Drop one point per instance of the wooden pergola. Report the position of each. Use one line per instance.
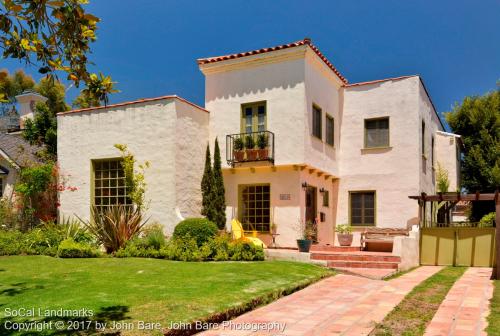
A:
(454, 198)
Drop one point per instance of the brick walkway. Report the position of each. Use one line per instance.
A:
(340, 305)
(466, 306)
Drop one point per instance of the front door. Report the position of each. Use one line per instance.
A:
(310, 204)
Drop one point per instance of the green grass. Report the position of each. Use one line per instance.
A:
(494, 317)
(136, 289)
(411, 316)
(400, 273)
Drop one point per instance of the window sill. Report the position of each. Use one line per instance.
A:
(376, 149)
(316, 137)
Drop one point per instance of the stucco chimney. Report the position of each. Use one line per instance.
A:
(27, 102)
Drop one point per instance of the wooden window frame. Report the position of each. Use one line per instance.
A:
(388, 132)
(260, 227)
(117, 187)
(320, 120)
(326, 198)
(255, 116)
(423, 138)
(363, 224)
(327, 119)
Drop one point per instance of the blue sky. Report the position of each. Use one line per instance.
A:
(150, 47)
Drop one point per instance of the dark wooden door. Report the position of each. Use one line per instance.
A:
(311, 204)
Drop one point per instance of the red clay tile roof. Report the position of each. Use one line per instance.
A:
(144, 100)
(306, 41)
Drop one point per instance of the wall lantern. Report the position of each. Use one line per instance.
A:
(322, 190)
(304, 185)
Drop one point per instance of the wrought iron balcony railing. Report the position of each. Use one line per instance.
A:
(250, 147)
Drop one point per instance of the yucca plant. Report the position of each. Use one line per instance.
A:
(115, 226)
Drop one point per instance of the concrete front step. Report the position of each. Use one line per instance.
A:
(362, 264)
(360, 256)
(328, 248)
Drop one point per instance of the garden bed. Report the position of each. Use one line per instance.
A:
(132, 290)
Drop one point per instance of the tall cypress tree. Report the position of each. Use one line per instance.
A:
(218, 192)
(206, 187)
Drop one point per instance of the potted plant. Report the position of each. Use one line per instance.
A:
(238, 152)
(344, 234)
(304, 244)
(262, 143)
(249, 148)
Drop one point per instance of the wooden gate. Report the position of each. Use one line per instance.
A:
(457, 246)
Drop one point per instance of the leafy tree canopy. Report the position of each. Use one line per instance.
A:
(55, 36)
(477, 120)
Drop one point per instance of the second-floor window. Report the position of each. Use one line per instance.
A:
(423, 137)
(329, 130)
(316, 122)
(377, 133)
(253, 117)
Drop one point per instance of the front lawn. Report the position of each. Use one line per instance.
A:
(135, 289)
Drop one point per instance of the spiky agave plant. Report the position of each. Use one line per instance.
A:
(115, 226)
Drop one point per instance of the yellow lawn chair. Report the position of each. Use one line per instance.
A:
(238, 233)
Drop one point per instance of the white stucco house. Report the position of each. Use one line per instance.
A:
(332, 152)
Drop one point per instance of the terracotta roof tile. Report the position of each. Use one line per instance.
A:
(305, 41)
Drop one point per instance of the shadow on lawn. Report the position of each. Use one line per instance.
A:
(18, 288)
(83, 326)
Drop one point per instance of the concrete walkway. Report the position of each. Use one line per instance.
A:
(466, 306)
(340, 305)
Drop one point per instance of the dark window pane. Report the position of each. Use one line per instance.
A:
(329, 131)
(377, 133)
(362, 208)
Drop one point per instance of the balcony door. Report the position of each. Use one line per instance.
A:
(253, 117)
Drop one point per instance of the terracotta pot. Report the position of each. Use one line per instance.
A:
(263, 153)
(239, 155)
(304, 245)
(345, 239)
(251, 154)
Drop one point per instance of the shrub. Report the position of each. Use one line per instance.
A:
(72, 249)
(11, 242)
(185, 249)
(201, 229)
(114, 227)
(343, 229)
(154, 237)
(487, 220)
(244, 251)
(43, 241)
(9, 219)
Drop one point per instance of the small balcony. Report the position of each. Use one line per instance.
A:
(250, 147)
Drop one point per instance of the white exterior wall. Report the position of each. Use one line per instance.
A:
(432, 125)
(447, 155)
(391, 172)
(256, 79)
(322, 89)
(161, 132)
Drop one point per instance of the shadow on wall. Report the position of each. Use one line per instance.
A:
(255, 80)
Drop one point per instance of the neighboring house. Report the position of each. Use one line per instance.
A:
(333, 153)
(15, 152)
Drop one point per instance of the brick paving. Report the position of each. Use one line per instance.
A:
(340, 305)
(466, 306)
